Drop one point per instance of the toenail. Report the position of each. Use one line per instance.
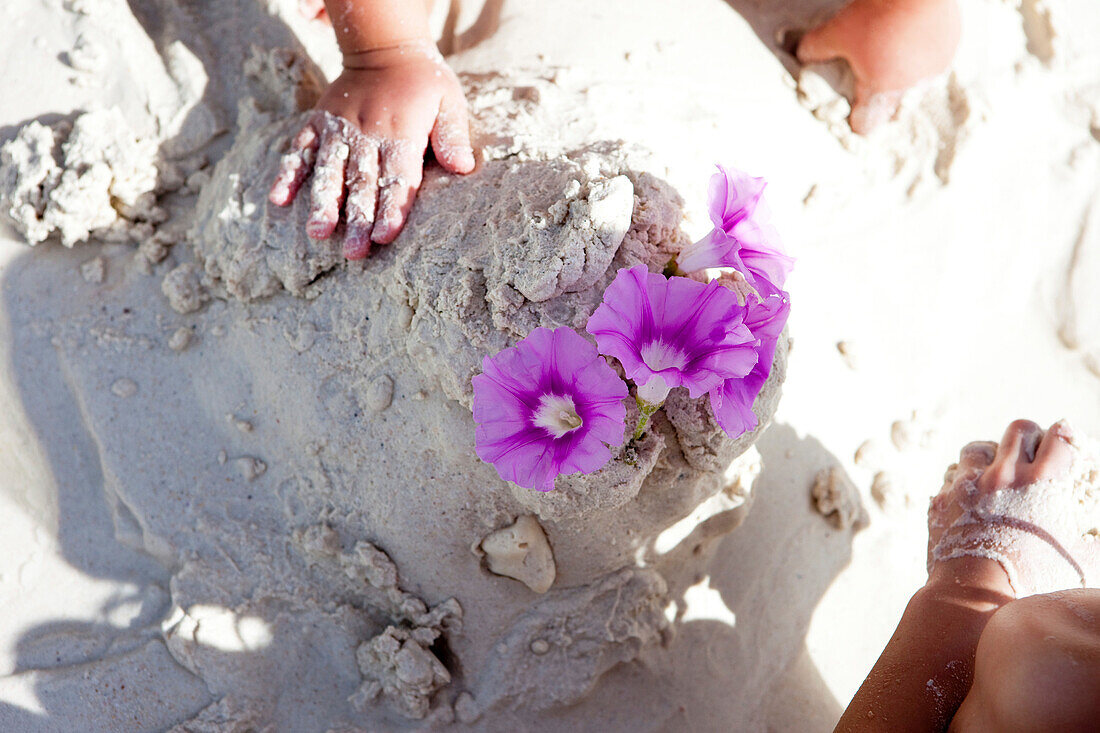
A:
(1062, 429)
(979, 448)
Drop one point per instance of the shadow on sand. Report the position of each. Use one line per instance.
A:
(771, 572)
(772, 601)
(779, 25)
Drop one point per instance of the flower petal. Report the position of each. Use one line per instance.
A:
(514, 387)
(716, 249)
(762, 254)
(733, 196)
(732, 400)
(584, 456)
(731, 404)
(743, 236)
(688, 333)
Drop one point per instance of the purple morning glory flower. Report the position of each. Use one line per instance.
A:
(672, 332)
(767, 310)
(547, 406)
(743, 236)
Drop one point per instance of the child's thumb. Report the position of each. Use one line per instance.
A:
(450, 137)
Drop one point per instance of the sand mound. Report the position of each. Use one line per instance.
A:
(333, 533)
(297, 527)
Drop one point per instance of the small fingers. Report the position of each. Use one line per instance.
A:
(402, 166)
(327, 188)
(362, 179)
(450, 137)
(294, 166)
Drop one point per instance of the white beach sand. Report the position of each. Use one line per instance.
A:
(944, 286)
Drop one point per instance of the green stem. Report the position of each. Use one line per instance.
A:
(647, 412)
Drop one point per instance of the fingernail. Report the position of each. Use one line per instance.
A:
(466, 159)
(357, 242)
(380, 235)
(385, 231)
(319, 228)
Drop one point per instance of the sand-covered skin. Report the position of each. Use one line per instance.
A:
(1045, 535)
(772, 601)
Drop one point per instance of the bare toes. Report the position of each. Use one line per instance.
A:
(819, 45)
(975, 457)
(949, 476)
(872, 109)
(1015, 452)
(1054, 454)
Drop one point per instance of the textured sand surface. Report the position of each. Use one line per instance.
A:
(223, 488)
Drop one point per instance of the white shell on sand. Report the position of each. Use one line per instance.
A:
(521, 551)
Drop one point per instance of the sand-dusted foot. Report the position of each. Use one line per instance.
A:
(1030, 504)
(889, 45)
(1015, 525)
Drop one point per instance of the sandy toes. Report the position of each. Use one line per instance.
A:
(1031, 503)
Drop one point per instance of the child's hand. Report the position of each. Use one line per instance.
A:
(392, 101)
(890, 45)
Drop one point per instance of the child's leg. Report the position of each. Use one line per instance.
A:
(1038, 667)
(925, 672)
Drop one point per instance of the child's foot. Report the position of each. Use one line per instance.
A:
(1028, 505)
(889, 45)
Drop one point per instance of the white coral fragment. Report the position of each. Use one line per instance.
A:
(521, 551)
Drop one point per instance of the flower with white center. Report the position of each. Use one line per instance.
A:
(557, 415)
(549, 405)
(672, 332)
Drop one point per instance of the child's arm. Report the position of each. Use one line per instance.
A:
(396, 94)
(890, 45)
(925, 671)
